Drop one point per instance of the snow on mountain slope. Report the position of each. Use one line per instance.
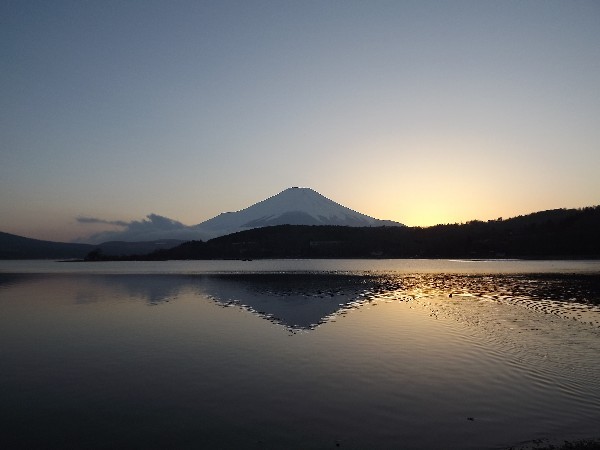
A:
(295, 206)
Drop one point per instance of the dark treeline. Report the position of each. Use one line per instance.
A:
(563, 233)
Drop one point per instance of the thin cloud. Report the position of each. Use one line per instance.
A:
(87, 220)
(152, 227)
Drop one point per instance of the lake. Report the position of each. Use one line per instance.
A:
(299, 354)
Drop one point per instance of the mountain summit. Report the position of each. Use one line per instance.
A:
(293, 206)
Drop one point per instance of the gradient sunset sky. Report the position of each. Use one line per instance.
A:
(420, 112)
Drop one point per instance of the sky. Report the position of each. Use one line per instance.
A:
(422, 112)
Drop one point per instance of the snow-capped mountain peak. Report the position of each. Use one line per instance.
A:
(295, 206)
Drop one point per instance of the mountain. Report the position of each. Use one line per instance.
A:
(13, 246)
(293, 206)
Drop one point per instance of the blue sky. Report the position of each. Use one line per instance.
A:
(420, 112)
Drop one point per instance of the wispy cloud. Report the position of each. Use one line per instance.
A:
(152, 227)
(86, 220)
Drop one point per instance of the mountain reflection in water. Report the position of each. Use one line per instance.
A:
(306, 300)
(200, 360)
(297, 301)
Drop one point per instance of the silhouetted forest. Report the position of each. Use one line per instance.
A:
(562, 233)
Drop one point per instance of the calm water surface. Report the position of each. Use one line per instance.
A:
(298, 354)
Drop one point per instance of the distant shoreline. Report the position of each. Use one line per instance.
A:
(142, 259)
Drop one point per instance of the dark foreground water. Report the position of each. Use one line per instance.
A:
(360, 354)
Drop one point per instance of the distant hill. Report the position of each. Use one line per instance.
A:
(19, 247)
(562, 233)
